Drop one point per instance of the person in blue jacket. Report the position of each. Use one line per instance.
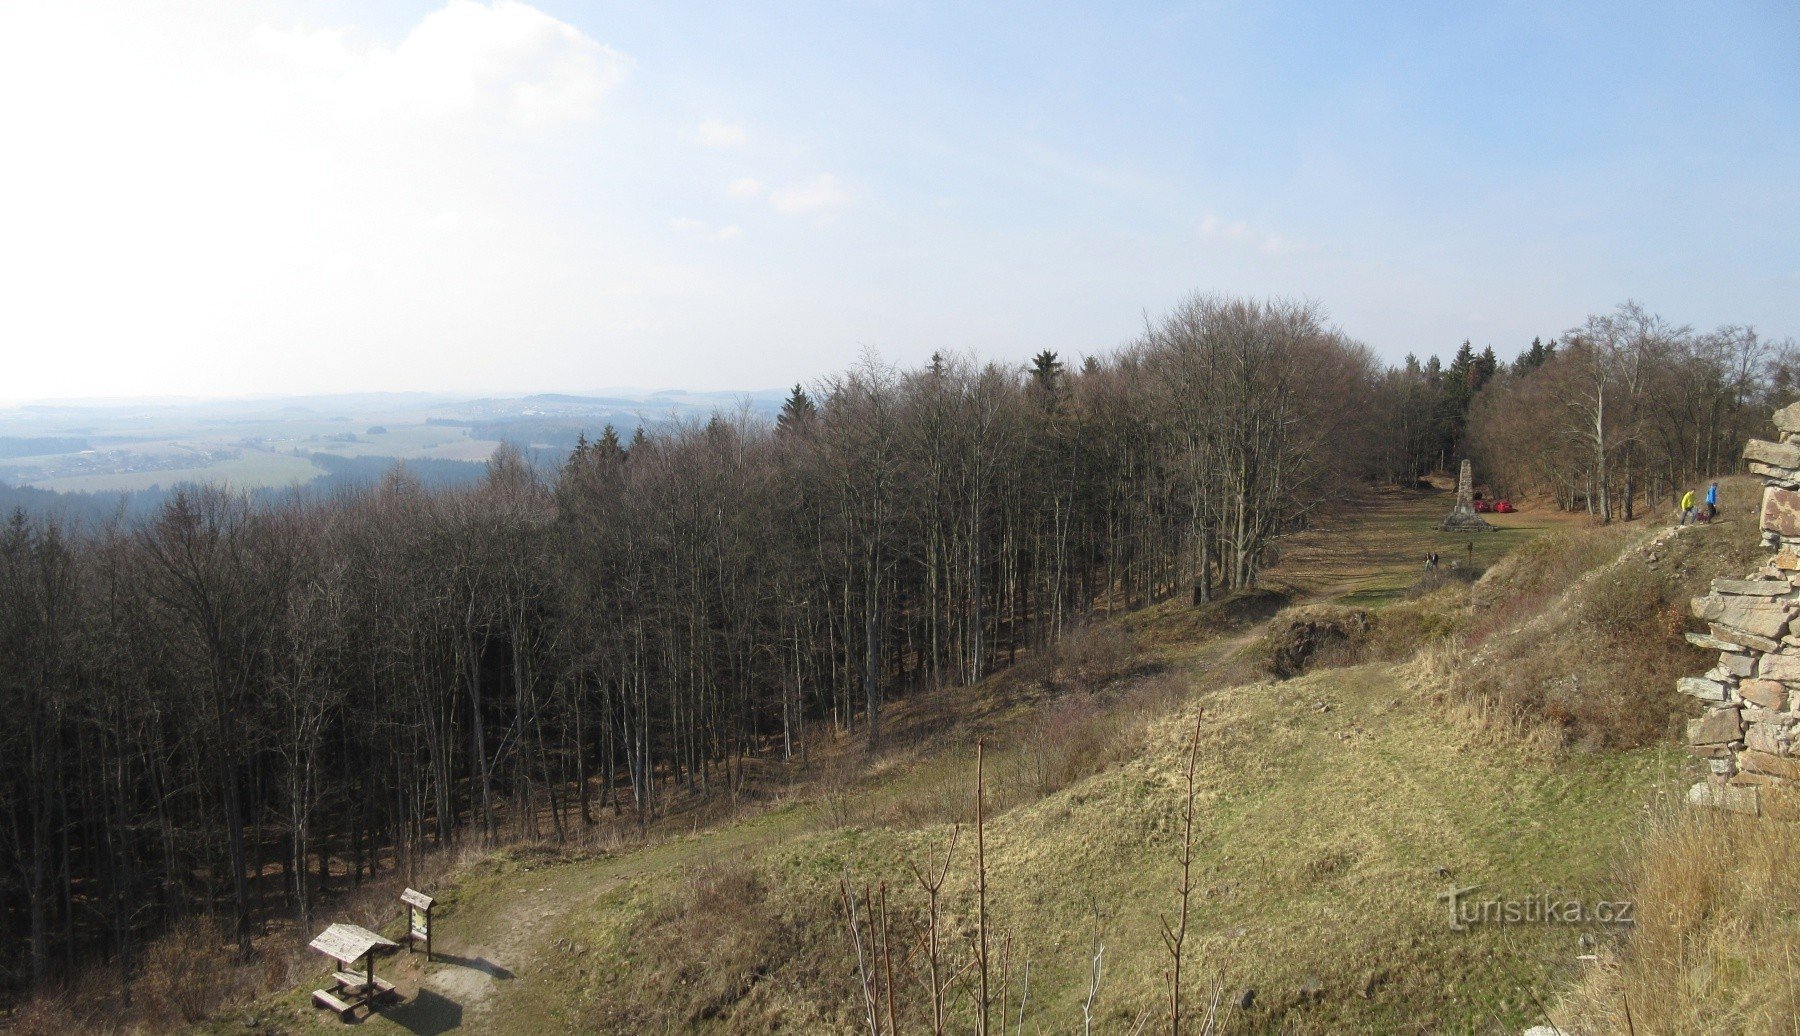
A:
(1712, 501)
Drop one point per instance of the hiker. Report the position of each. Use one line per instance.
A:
(1712, 501)
(1687, 507)
(1431, 561)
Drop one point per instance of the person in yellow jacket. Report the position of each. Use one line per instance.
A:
(1687, 507)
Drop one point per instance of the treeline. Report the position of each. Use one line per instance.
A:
(237, 706)
(1627, 411)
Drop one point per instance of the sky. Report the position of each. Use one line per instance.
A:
(252, 197)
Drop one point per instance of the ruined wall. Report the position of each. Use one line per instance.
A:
(1750, 734)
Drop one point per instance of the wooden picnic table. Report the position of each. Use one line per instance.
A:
(349, 945)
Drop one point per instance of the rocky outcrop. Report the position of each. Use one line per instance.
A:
(1749, 735)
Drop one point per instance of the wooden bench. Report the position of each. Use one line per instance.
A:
(325, 998)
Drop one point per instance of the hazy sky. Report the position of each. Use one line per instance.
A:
(268, 197)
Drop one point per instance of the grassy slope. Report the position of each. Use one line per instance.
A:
(1334, 809)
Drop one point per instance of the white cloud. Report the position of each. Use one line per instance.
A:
(1215, 228)
(744, 188)
(823, 194)
(503, 59)
(690, 225)
(274, 201)
(714, 133)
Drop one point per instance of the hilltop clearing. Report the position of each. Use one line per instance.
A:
(1433, 750)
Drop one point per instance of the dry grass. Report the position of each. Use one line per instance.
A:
(1330, 808)
(1717, 926)
(1583, 631)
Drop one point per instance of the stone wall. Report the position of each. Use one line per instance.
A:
(1750, 733)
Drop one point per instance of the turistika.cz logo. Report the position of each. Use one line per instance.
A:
(1467, 911)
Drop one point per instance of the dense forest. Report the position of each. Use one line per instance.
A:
(233, 706)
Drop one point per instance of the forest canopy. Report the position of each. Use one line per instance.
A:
(234, 704)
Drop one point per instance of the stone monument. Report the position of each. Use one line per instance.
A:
(1463, 517)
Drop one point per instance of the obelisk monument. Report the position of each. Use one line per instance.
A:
(1463, 517)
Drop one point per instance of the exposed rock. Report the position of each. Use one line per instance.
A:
(1717, 727)
(1246, 996)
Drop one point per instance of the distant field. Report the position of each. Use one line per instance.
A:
(401, 442)
(252, 470)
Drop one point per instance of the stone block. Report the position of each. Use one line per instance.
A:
(1787, 419)
(1787, 561)
(1770, 694)
(1752, 587)
(1739, 665)
(1761, 737)
(1720, 795)
(1715, 751)
(1781, 478)
(1747, 639)
(1711, 643)
(1769, 763)
(1717, 727)
(1705, 690)
(1782, 666)
(1781, 512)
(1773, 454)
(1754, 615)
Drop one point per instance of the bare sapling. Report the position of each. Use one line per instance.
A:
(981, 1028)
(932, 882)
(1024, 997)
(887, 959)
(1175, 935)
(862, 967)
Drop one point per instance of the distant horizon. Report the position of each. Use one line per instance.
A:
(419, 394)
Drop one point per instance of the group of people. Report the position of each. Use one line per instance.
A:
(1692, 511)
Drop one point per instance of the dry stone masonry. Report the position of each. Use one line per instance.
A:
(1750, 734)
